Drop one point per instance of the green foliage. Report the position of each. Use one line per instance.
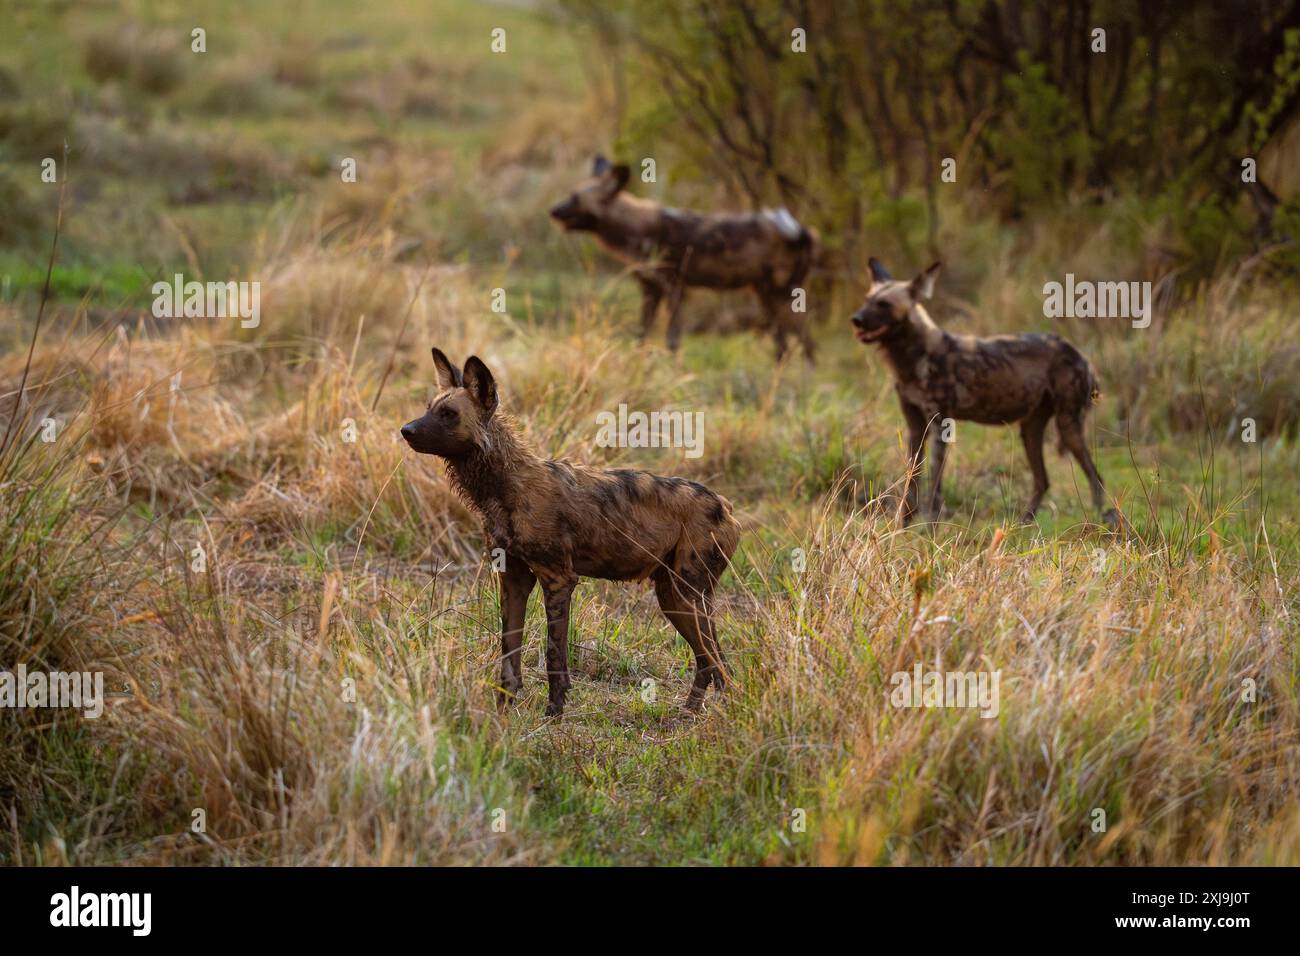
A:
(1041, 137)
(1262, 117)
(149, 61)
(22, 220)
(29, 132)
(1014, 91)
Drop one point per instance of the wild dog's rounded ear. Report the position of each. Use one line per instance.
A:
(480, 384)
(599, 165)
(449, 376)
(617, 179)
(878, 271)
(922, 287)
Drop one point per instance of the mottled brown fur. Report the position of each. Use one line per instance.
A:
(556, 521)
(670, 250)
(1005, 379)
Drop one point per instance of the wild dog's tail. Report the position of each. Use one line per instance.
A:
(1094, 389)
(705, 549)
(1080, 389)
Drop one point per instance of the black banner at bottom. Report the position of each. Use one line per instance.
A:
(334, 906)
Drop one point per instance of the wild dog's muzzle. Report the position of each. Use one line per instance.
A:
(564, 212)
(865, 335)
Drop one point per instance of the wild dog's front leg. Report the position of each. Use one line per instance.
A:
(517, 582)
(938, 456)
(557, 587)
(675, 292)
(915, 459)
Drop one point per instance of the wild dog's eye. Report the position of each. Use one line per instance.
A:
(448, 413)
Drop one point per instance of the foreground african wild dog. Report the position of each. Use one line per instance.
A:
(669, 250)
(556, 521)
(994, 381)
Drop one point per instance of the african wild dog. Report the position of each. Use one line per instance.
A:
(556, 521)
(669, 250)
(994, 381)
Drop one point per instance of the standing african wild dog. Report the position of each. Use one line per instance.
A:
(994, 381)
(669, 250)
(556, 521)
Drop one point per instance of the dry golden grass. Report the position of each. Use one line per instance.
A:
(300, 631)
(329, 562)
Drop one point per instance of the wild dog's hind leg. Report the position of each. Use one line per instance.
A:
(557, 587)
(709, 631)
(805, 335)
(675, 293)
(1071, 428)
(652, 292)
(517, 582)
(770, 302)
(698, 590)
(692, 622)
(710, 567)
(1031, 433)
(785, 322)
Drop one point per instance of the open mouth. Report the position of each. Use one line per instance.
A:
(865, 336)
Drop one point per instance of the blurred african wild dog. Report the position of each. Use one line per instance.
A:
(556, 521)
(1026, 379)
(669, 250)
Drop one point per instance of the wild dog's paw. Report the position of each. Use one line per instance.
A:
(507, 694)
(1111, 518)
